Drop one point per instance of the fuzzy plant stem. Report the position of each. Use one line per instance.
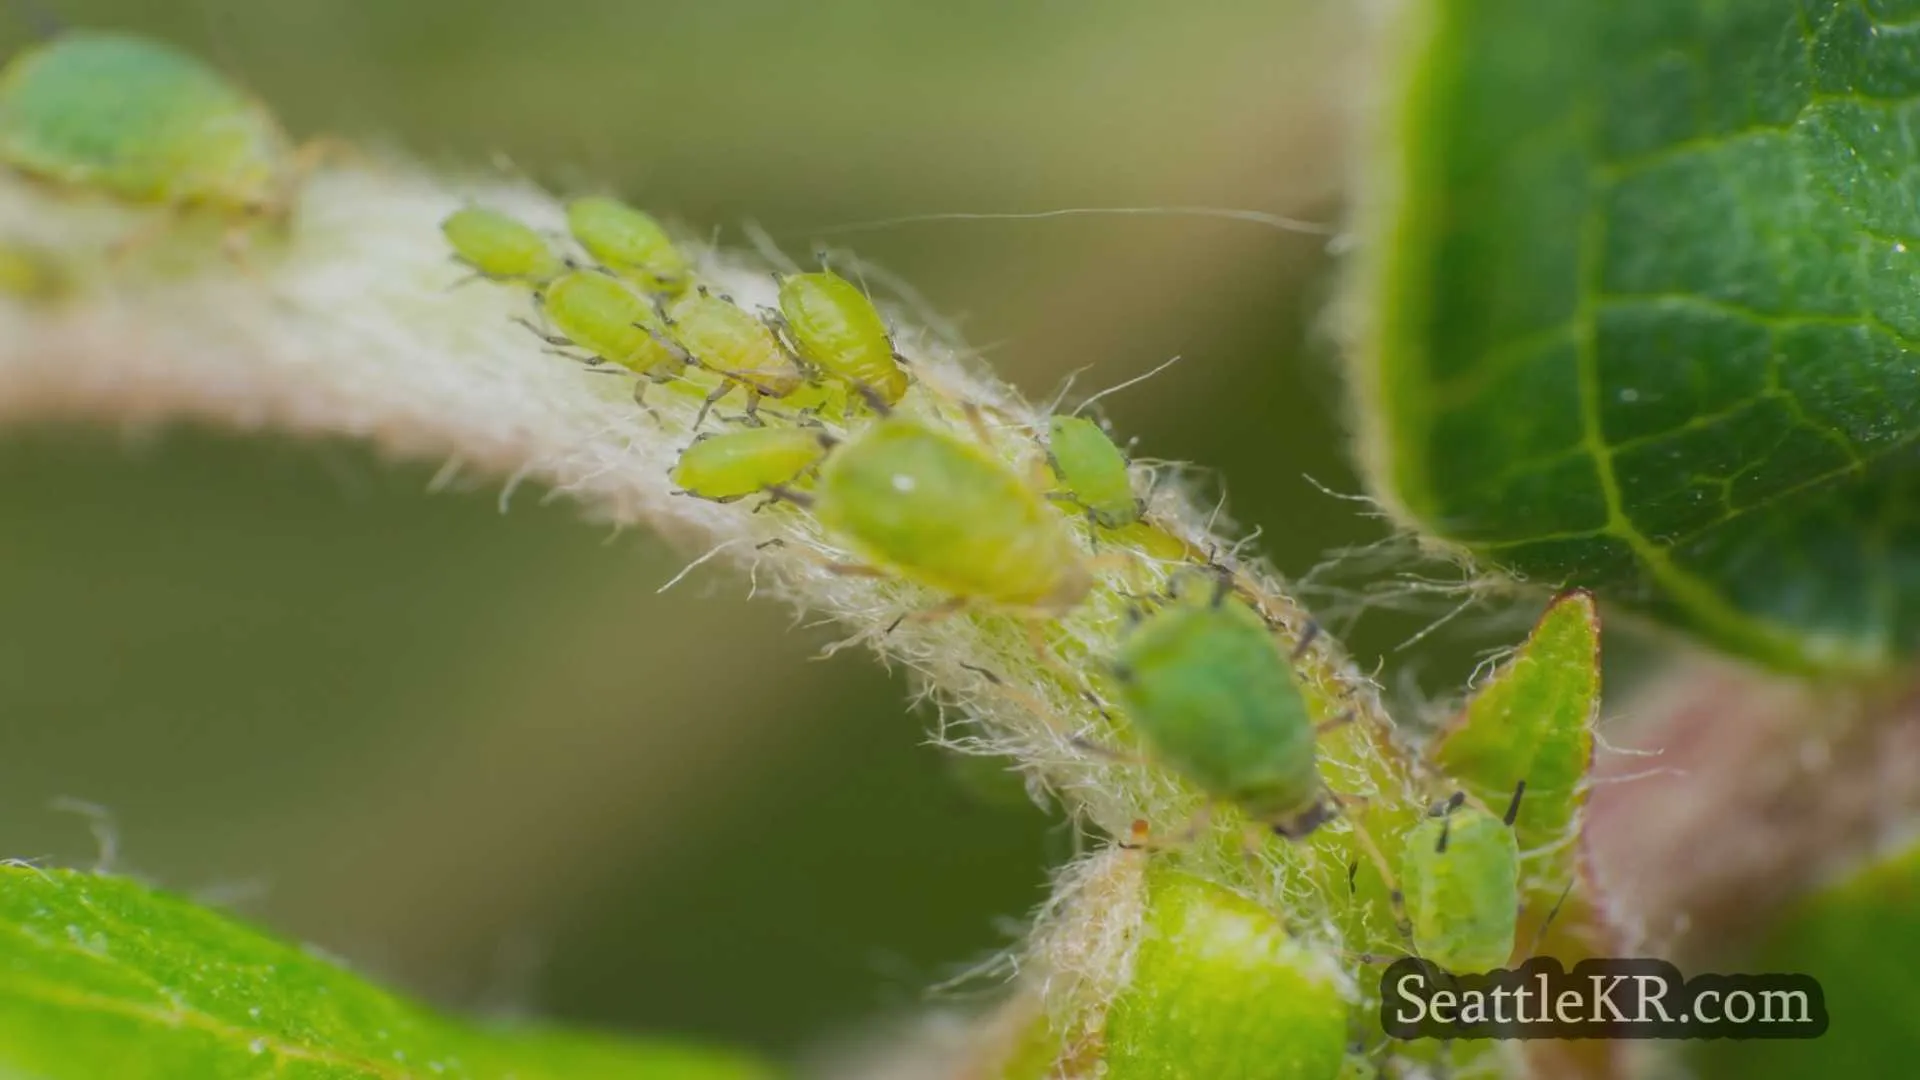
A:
(355, 323)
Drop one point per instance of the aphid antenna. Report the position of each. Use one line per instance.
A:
(1135, 381)
(1255, 217)
(1513, 808)
(763, 243)
(1066, 387)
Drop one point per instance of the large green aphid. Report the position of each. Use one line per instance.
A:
(1093, 470)
(628, 242)
(740, 463)
(735, 345)
(1460, 877)
(943, 512)
(837, 329)
(499, 247)
(1213, 698)
(145, 122)
(610, 322)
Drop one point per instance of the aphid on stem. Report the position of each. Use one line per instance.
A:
(148, 124)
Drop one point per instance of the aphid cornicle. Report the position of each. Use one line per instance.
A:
(837, 329)
(1093, 470)
(736, 464)
(1214, 698)
(1460, 879)
(731, 343)
(499, 247)
(942, 512)
(145, 122)
(628, 242)
(604, 317)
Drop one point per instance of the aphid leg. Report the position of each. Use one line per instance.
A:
(705, 406)
(752, 416)
(783, 493)
(1108, 753)
(1307, 637)
(945, 609)
(978, 423)
(1335, 724)
(1364, 838)
(640, 399)
(874, 401)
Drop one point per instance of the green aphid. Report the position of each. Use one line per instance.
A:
(731, 343)
(144, 122)
(1093, 470)
(837, 329)
(1214, 698)
(499, 247)
(612, 324)
(31, 273)
(944, 513)
(1460, 878)
(740, 463)
(629, 243)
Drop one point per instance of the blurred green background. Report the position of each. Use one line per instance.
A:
(476, 753)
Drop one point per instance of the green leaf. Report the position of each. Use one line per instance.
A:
(1858, 938)
(103, 977)
(1533, 721)
(1638, 309)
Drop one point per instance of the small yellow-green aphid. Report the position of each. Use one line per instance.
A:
(837, 329)
(31, 273)
(629, 243)
(729, 342)
(601, 315)
(942, 512)
(1093, 470)
(741, 463)
(499, 247)
(1460, 876)
(145, 122)
(1215, 699)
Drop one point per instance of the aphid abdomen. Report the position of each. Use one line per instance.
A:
(1462, 897)
(605, 317)
(500, 247)
(628, 242)
(142, 121)
(1093, 470)
(837, 329)
(940, 511)
(1213, 697)
(739, 463)
(728, 341)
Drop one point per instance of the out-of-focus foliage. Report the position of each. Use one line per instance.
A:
(1644, 315)
(101, 976)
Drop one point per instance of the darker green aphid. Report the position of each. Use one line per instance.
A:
(145, 122)
(1460, 876)
(1214, 699)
